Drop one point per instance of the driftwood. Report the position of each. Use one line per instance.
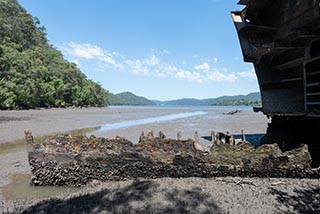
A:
(277, 183)
(237, 183)
(232, 112)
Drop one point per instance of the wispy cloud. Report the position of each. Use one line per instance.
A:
(78, 52)
(217, 76)
(248, 74)
(202, 67)
(152, 65)
(153, 60)
(189, 75)
(138, 67)
(87, 51)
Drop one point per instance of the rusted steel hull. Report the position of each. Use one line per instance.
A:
(282, 40)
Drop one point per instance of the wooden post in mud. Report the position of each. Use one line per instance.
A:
(28, 136)
(227, 138)
(141, 136)
(150, 134)
(196, 137)
(232, 141)
(213, 137)
(179, 136)
(162, 135)
(243, 136)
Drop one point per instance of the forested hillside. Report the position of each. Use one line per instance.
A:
(127, 98)
(33, 73)
(252, 99)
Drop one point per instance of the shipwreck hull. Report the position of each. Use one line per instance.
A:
(282, 40)
(66, 160)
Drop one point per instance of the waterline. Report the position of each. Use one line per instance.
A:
(130, 123)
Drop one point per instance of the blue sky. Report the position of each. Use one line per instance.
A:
(160, 49)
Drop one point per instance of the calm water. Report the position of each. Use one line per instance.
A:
(150, 120)
(185, 107)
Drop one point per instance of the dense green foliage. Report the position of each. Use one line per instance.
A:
(127, 98)
(252, 99)
(238, 102)
(33, 73)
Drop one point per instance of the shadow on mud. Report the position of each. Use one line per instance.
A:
(138, 197)
(306, 201)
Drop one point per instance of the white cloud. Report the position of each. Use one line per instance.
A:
(248, 74)
(78, 52)
(171, 68)
(87, 51)
(108, 60)
(217, 76)
(203, 67)
(152, 60)
(153, 65)
(137, 66)
(160, 52)
(188, 75)
(160, 74)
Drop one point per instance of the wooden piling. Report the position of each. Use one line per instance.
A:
(243, 136)
(196, 137)
(179, 136)
(213, 137)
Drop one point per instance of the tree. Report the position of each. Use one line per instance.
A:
(33, 73)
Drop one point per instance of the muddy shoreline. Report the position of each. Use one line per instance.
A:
(187, 195)
(53, 121)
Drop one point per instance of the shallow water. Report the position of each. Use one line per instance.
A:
(20, 188)
(150, 120)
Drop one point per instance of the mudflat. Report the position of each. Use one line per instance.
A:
(51, 121)
(165, 195)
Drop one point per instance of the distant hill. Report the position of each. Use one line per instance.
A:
(250, 99)
(128, 98)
